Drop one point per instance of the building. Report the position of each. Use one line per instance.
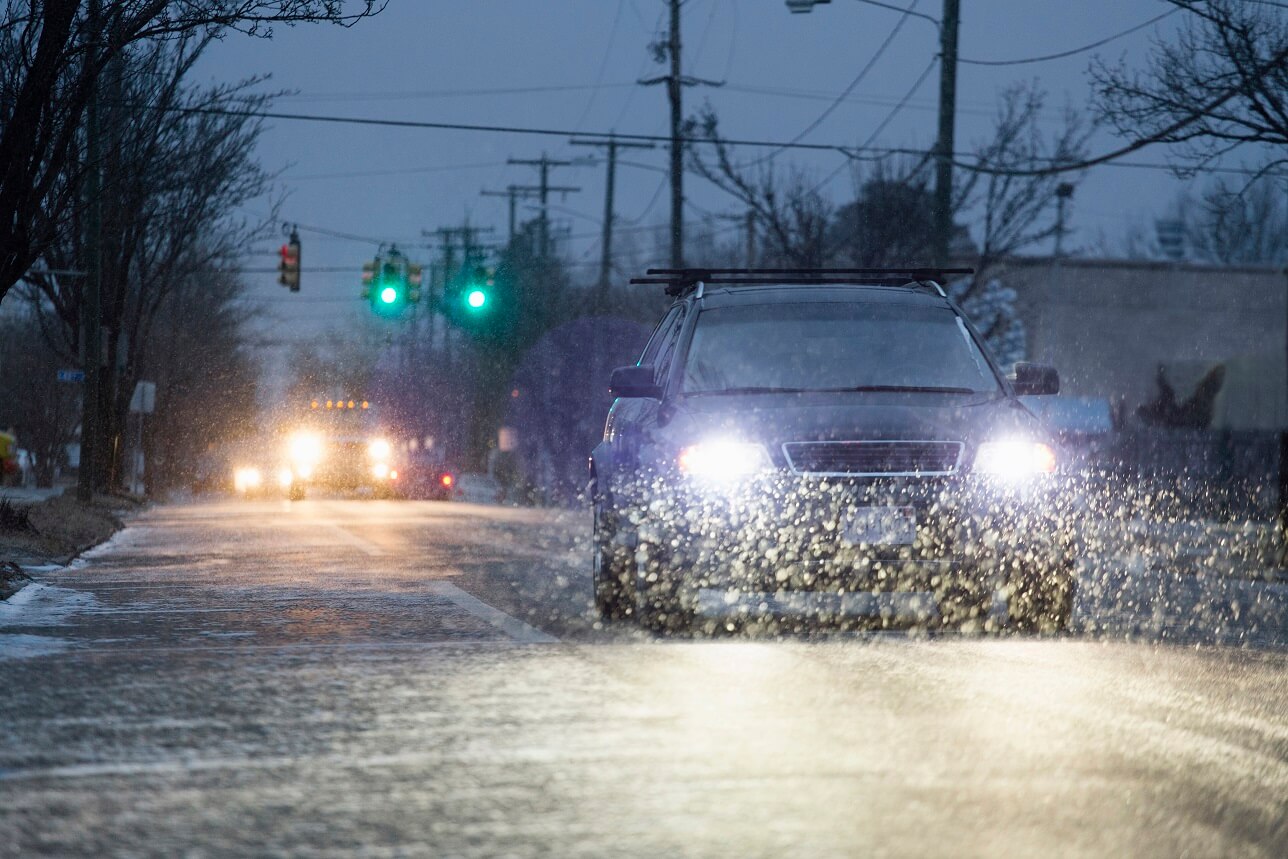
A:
(1109, 326)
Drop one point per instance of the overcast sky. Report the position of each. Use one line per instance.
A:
(572, 64)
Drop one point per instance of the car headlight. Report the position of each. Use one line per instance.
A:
(380, 449)
(246, 479)
(305, 449)
(1014, 458)
(722, 459)
(285, 477)
(380, 470)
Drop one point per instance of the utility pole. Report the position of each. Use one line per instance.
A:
(612, 144)
(544, 188)
(947, 115)
(92, 291)
(514, 193)
(751, 238)
(1063, 192)
(675, 83)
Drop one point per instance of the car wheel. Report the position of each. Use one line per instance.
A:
(659, 602)
(1041, 600)
(613, 570)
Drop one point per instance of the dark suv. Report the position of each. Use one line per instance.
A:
(832, 444)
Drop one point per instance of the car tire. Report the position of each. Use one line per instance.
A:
(612, 569)
(1041, 600)
(659, 603)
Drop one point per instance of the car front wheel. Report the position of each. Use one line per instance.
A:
(613, 570)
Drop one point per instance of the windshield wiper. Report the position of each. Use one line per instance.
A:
(915, 389)
(748, 389)
(753, 389)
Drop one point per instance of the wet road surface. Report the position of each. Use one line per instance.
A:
(368, 678)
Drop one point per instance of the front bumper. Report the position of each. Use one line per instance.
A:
(787, 534)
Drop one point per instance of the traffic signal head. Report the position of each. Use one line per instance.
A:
(388, 295)
(476, 298)
(288, 267)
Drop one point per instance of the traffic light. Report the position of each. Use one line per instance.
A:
(288, 269)
(477, 293)
(391, 283)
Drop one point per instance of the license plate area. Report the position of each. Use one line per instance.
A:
(881, 526)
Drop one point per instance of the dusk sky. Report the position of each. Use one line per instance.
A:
(572, 64)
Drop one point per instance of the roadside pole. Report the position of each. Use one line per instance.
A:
(91, 291)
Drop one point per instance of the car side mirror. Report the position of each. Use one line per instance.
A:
(1035, 380)
(635, 381)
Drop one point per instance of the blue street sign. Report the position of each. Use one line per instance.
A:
(71, 375)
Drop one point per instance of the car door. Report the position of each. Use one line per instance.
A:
(629, 415)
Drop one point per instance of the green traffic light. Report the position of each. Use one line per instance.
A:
(388, 295)
(476, 298)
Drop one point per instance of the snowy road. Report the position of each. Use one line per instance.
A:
(341, 678)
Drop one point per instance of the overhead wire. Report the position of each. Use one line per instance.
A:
(1072, 51)
(831, 108)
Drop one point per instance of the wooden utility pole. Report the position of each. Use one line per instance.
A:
(612, 144)
(514, 193)
(944, 145)
(544, 189)
(675, 83)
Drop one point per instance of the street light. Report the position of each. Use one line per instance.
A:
(943, 152)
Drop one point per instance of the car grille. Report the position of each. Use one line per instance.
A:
(874, 458)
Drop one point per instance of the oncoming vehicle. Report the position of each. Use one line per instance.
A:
(828, 443)
(341, 446)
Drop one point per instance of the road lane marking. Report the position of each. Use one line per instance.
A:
(352, 539)
(511, 626)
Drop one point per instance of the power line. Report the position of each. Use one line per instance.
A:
(1072, 51)
(863, 72)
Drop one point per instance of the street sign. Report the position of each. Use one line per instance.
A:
(145, 398)
(71, 375)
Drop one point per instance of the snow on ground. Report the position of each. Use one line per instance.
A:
(38, 605)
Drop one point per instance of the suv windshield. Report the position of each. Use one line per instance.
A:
(834, 346)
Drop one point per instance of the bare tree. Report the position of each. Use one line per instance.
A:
(52, 56)
(1015, 209)
(1221, 85)
(794, 218)
(177, 175)
(1246, 225)
(44, 411)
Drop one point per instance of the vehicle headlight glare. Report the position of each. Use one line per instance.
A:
(380, 449)
(380, 470)
(285, 477)
(305, 449)
(1012, 459)
(722, 460)
(246, 479)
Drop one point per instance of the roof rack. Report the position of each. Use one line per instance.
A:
(680, 280)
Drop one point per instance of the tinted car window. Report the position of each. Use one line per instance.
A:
(661, 335)
(833, 345)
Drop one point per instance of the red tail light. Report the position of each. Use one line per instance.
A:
(447, 480)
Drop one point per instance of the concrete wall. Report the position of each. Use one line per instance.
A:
(1107, 325)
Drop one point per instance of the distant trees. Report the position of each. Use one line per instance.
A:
(1002, 208)
(1220, 87)
(175, 179)
(43, 411)
(52, 56)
